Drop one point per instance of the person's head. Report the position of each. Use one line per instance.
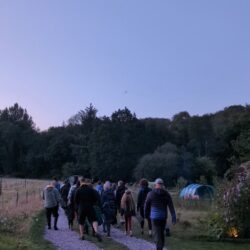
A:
(120, 183)
(85, 181)
(82, 180)
(99, 182)
(143, 183)
(66, 181)
(159, 183)
(107, 185)
(55, 179)
(53, 183)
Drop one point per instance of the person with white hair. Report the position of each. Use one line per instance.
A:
(108, 203)
(52, 198)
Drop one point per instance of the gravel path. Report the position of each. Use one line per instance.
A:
(132, 243)
(65, 239)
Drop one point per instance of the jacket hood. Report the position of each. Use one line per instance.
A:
(49, 187)
(160, 192)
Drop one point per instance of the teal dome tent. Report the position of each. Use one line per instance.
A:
(196, 192)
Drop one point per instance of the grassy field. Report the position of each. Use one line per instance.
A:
(190, 232)
(21, 223)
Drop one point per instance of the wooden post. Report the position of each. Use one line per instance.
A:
(17, 198)
(1, 185)
(27, 195)
(2, 202)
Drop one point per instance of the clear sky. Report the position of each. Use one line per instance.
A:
(156, 57)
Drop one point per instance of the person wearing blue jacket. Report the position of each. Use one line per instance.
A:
(156, 208)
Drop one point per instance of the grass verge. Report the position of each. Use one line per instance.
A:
(190, 238)
(31, 240)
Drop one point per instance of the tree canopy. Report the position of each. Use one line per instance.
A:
(123, 146)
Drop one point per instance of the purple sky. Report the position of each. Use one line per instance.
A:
(155, 57)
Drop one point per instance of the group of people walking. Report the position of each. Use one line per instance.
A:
(95, 205)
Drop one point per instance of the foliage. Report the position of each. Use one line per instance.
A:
(120, 145)
(233, 204)
(181, 183)
(7, 224)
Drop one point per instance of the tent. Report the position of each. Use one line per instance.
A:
(197, 191)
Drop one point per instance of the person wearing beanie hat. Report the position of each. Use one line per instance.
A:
(156, 208)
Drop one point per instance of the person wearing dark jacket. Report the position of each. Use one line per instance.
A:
(85, 198)
(108, 206)
(64, 191)
(118, 196)
(142, 195)
(156, 208)
(119, 193)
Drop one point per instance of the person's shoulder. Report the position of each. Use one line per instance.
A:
(150, 193)
(166, 191)
(55, 190)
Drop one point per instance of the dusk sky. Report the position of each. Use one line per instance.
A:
(156, 57)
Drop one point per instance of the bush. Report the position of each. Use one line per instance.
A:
(233, 205)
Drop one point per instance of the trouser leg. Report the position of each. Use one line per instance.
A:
(149, 224)
(48, 216)
(126, 223)
(130, 223)
(159, 227)
(55, 214)
(142, 224)
(108, 228)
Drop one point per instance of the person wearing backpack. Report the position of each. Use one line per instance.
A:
(108, 204)
(128, 210)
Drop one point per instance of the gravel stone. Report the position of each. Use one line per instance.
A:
(64, 238)
(131, 243)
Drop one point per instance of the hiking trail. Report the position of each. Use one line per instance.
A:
(65, 239)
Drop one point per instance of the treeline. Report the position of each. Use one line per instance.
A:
(125, 147)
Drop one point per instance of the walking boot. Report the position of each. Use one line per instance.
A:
(49, 223)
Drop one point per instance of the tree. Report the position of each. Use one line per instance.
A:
(241, 146)
(204, 166)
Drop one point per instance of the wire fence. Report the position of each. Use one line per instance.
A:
(20, 195)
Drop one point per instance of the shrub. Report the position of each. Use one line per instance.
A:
(7, 224)
(233, 205)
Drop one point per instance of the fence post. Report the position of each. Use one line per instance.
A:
(17, 198)
(27, 195)
(1, 185)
